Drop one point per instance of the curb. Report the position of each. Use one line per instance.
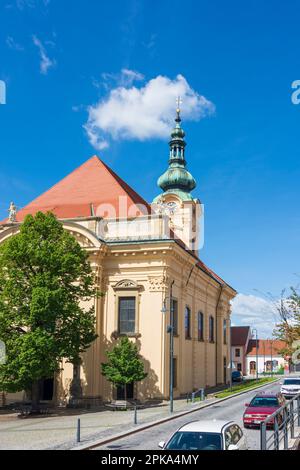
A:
(152, 424)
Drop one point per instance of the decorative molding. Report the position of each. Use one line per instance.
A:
(127, 284)
(158, 283)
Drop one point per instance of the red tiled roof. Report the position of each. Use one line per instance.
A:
(85, 189)
(239, 335)
(89, 190)
(265, 347)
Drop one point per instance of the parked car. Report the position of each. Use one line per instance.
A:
(237, 376)
(290, 387)
(207, 435)
(262, 406)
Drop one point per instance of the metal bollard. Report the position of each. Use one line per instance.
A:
(202, 396)
(135, 415)
(78, 430)
(193, 397)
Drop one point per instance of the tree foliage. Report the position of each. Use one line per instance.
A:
(288, 328)
(124, 365)
(44, 275)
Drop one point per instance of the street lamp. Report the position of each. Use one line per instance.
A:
(170, 330)
(256, 368)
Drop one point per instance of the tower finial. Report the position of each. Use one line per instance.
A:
(177, 179)
(178, 110)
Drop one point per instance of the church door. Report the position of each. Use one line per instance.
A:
(129, 392)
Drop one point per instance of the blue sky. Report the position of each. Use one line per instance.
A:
(58, 60)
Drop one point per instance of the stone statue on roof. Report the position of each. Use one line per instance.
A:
(12, 212)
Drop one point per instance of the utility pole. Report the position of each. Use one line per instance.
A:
(256, 342)
(271, 357)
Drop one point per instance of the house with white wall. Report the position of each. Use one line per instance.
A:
(268, 356)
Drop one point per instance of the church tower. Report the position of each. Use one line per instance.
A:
(177, 184)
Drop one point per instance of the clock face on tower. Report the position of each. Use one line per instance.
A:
(168, 208)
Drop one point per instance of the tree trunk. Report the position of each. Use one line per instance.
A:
(35, 396)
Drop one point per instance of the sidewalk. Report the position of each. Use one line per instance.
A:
(59, 432)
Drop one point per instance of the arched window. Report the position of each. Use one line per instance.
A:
(252, 367)
(187, 323)
(200, 326)
(211, 329)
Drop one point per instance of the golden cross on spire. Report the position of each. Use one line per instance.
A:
(178, 102)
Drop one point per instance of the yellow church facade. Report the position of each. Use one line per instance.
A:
(145, 261)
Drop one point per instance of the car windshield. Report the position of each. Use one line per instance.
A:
(195, 441)
(292, 382)
(264, 401)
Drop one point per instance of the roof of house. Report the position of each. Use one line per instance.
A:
(91, 189)
(239, 335)
(266, 347)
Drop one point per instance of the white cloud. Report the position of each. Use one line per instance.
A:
(145, 112)
(46, 63)
(21, 4)
(12, 44)
(256, 312)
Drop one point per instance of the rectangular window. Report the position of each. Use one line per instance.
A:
(127, 315)
(211, 329)
(187, 323)
(224, 331)
(237, 352)
(175, 316)
(200, 326)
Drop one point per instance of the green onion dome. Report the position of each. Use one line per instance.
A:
(177, 179)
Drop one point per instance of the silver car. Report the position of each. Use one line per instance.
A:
(214, 434)
(290, 387)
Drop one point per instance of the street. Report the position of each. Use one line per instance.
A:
(232, 409)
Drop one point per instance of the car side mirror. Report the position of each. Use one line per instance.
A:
(280, 383)
(161, 444)
(233, 447)
(246, 404)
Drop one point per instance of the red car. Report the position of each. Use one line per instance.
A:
(262, 406)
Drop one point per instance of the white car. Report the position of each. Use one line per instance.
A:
(212, 434)
(290, 387)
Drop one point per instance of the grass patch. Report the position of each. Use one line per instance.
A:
(248, 384)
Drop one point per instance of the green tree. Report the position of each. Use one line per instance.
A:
(288, 328)
(44, 275)
(124, 365)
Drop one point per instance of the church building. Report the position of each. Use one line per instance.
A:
(146, 259)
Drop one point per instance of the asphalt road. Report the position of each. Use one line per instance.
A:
(232, 409)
